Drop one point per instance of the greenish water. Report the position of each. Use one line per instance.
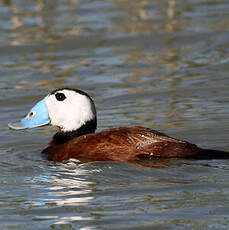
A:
(160, 64)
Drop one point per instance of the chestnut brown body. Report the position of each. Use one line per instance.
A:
(125, 144)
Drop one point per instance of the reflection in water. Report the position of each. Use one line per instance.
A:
(137, 18)
(69, 188)
(78, 191)
(41, 22)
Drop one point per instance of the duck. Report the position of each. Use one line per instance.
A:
(73, 111)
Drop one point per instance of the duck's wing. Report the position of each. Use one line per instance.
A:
(121, 144)
(148, 143)
(151, 143)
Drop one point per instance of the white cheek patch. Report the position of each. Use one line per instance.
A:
(71, 113)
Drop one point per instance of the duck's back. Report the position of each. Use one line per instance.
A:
(121, 144)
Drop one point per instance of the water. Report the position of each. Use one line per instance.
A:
(160, 64)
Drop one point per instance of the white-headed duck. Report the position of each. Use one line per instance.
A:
(74, 112)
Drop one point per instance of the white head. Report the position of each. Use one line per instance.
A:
(69, 109)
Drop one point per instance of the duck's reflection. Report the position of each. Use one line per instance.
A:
(68, 190)
(71, 182)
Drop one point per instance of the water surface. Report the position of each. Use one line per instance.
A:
(160, 64)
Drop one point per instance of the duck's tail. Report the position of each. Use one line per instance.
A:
(210, 154)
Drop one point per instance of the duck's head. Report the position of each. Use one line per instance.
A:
(68, 109)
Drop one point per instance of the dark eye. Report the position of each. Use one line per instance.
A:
(60, 96)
